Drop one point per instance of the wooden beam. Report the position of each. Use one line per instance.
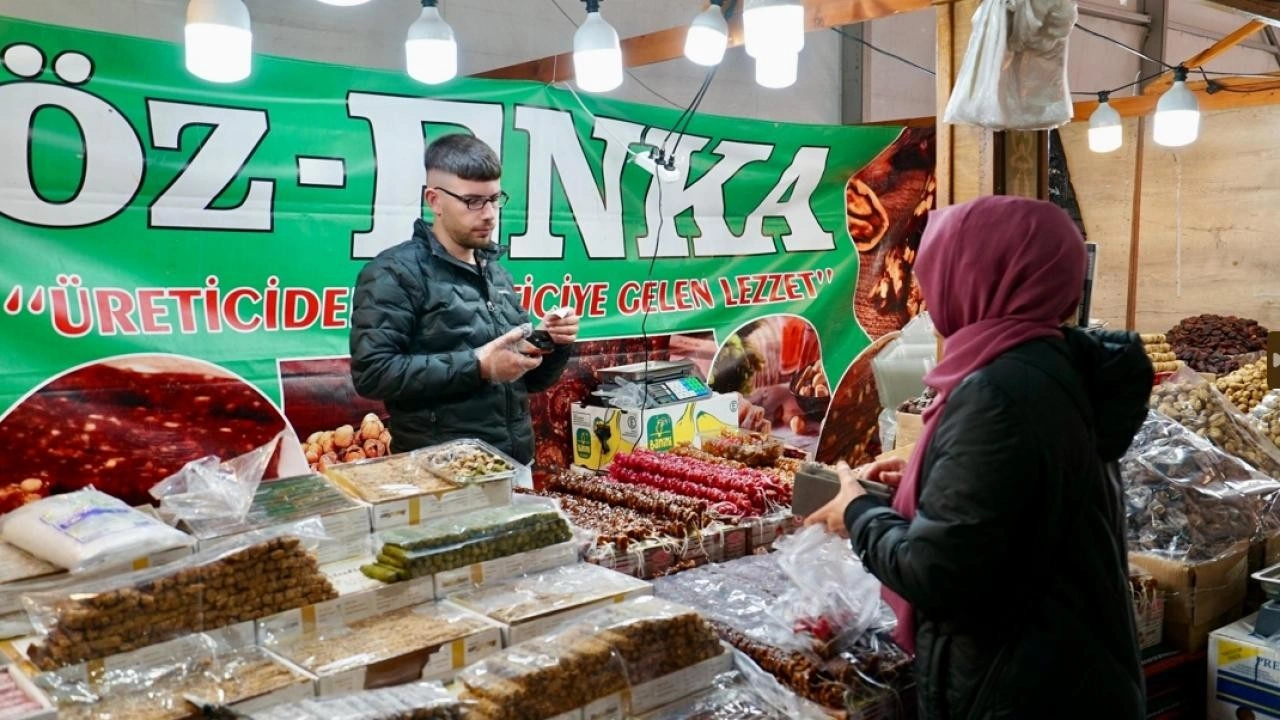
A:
(1265, 10)
(1163, 82)
(663, 45)
(1245, 92)
(1135, 228)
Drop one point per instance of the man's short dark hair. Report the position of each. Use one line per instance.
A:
(465, 156)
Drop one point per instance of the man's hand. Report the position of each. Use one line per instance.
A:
(563, 330)
(500, 362)
(831, 515)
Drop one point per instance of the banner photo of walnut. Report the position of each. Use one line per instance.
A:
(125, 424)
(775, 364)
(888, 204)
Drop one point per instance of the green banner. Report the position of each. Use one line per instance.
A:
(157, 228)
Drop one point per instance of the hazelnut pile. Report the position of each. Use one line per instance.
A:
(346, 444)
(1247, 386)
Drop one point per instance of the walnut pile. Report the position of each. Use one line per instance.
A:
(346, 444)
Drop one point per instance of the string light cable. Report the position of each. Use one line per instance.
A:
(886, 53)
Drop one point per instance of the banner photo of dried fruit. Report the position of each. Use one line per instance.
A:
(775, 364)
(124, 424)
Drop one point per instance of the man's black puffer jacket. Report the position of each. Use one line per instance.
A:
(418, 317)
(1016, 563)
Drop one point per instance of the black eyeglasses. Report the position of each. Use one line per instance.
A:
(474, 202)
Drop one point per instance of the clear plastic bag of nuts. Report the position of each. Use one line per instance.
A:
(1193, 401)
(1188, 500)
(604, 653)
(1266, 416)
(245, 578)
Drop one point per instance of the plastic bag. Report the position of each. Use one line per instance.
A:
(888, 427)
(251, 577)
(834, 600)
(1193, 401)
(208, 489)
(87, 529)
(747, 693)
(1188, 500)
(416, 701)
(197, 671)
(1014, 73)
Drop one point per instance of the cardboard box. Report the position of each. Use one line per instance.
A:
(1199, 596)
(349, 608)
(421, 508)
(659, 428)
(493, 571)
(1244, 672)
(661, 691)
(542, 603)
(47, 710)
(471, 642)
(910, 428)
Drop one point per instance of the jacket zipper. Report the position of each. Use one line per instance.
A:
(508, 393)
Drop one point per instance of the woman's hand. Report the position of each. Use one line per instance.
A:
(831, 515)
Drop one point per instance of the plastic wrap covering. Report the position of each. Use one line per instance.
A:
(1188, 500)
(417, 701)
(196, 670)
(606, 652)
(469, 461)
(449, 543)
(87, 529)
(812, 596)
(259, 575)
(209, 489)
(689, 512)
(336, 647)
(745, 693)
(549, 592)
(390, 478)
(1265, 417)
(1193, 401)
(1014, 73)
(282, 501)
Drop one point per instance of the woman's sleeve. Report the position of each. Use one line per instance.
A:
(958, 559)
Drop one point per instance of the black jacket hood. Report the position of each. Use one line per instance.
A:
(1117, 377)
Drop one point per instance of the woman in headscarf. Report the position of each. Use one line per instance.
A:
(1003, 554)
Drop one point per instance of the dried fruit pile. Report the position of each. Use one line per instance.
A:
(346, 444)
(1214, 343)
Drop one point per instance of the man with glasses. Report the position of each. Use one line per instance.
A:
(435, 324)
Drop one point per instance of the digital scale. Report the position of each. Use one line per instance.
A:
(666, 382)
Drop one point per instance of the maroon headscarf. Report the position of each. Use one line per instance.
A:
(996, 273)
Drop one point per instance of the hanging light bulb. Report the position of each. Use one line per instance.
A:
(1106, 133)
(1177, 121)
(777, 71)
(773, 27)
(219, 42)
(597, 54)
(344, 3)
(430, 51)
(708, 36)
